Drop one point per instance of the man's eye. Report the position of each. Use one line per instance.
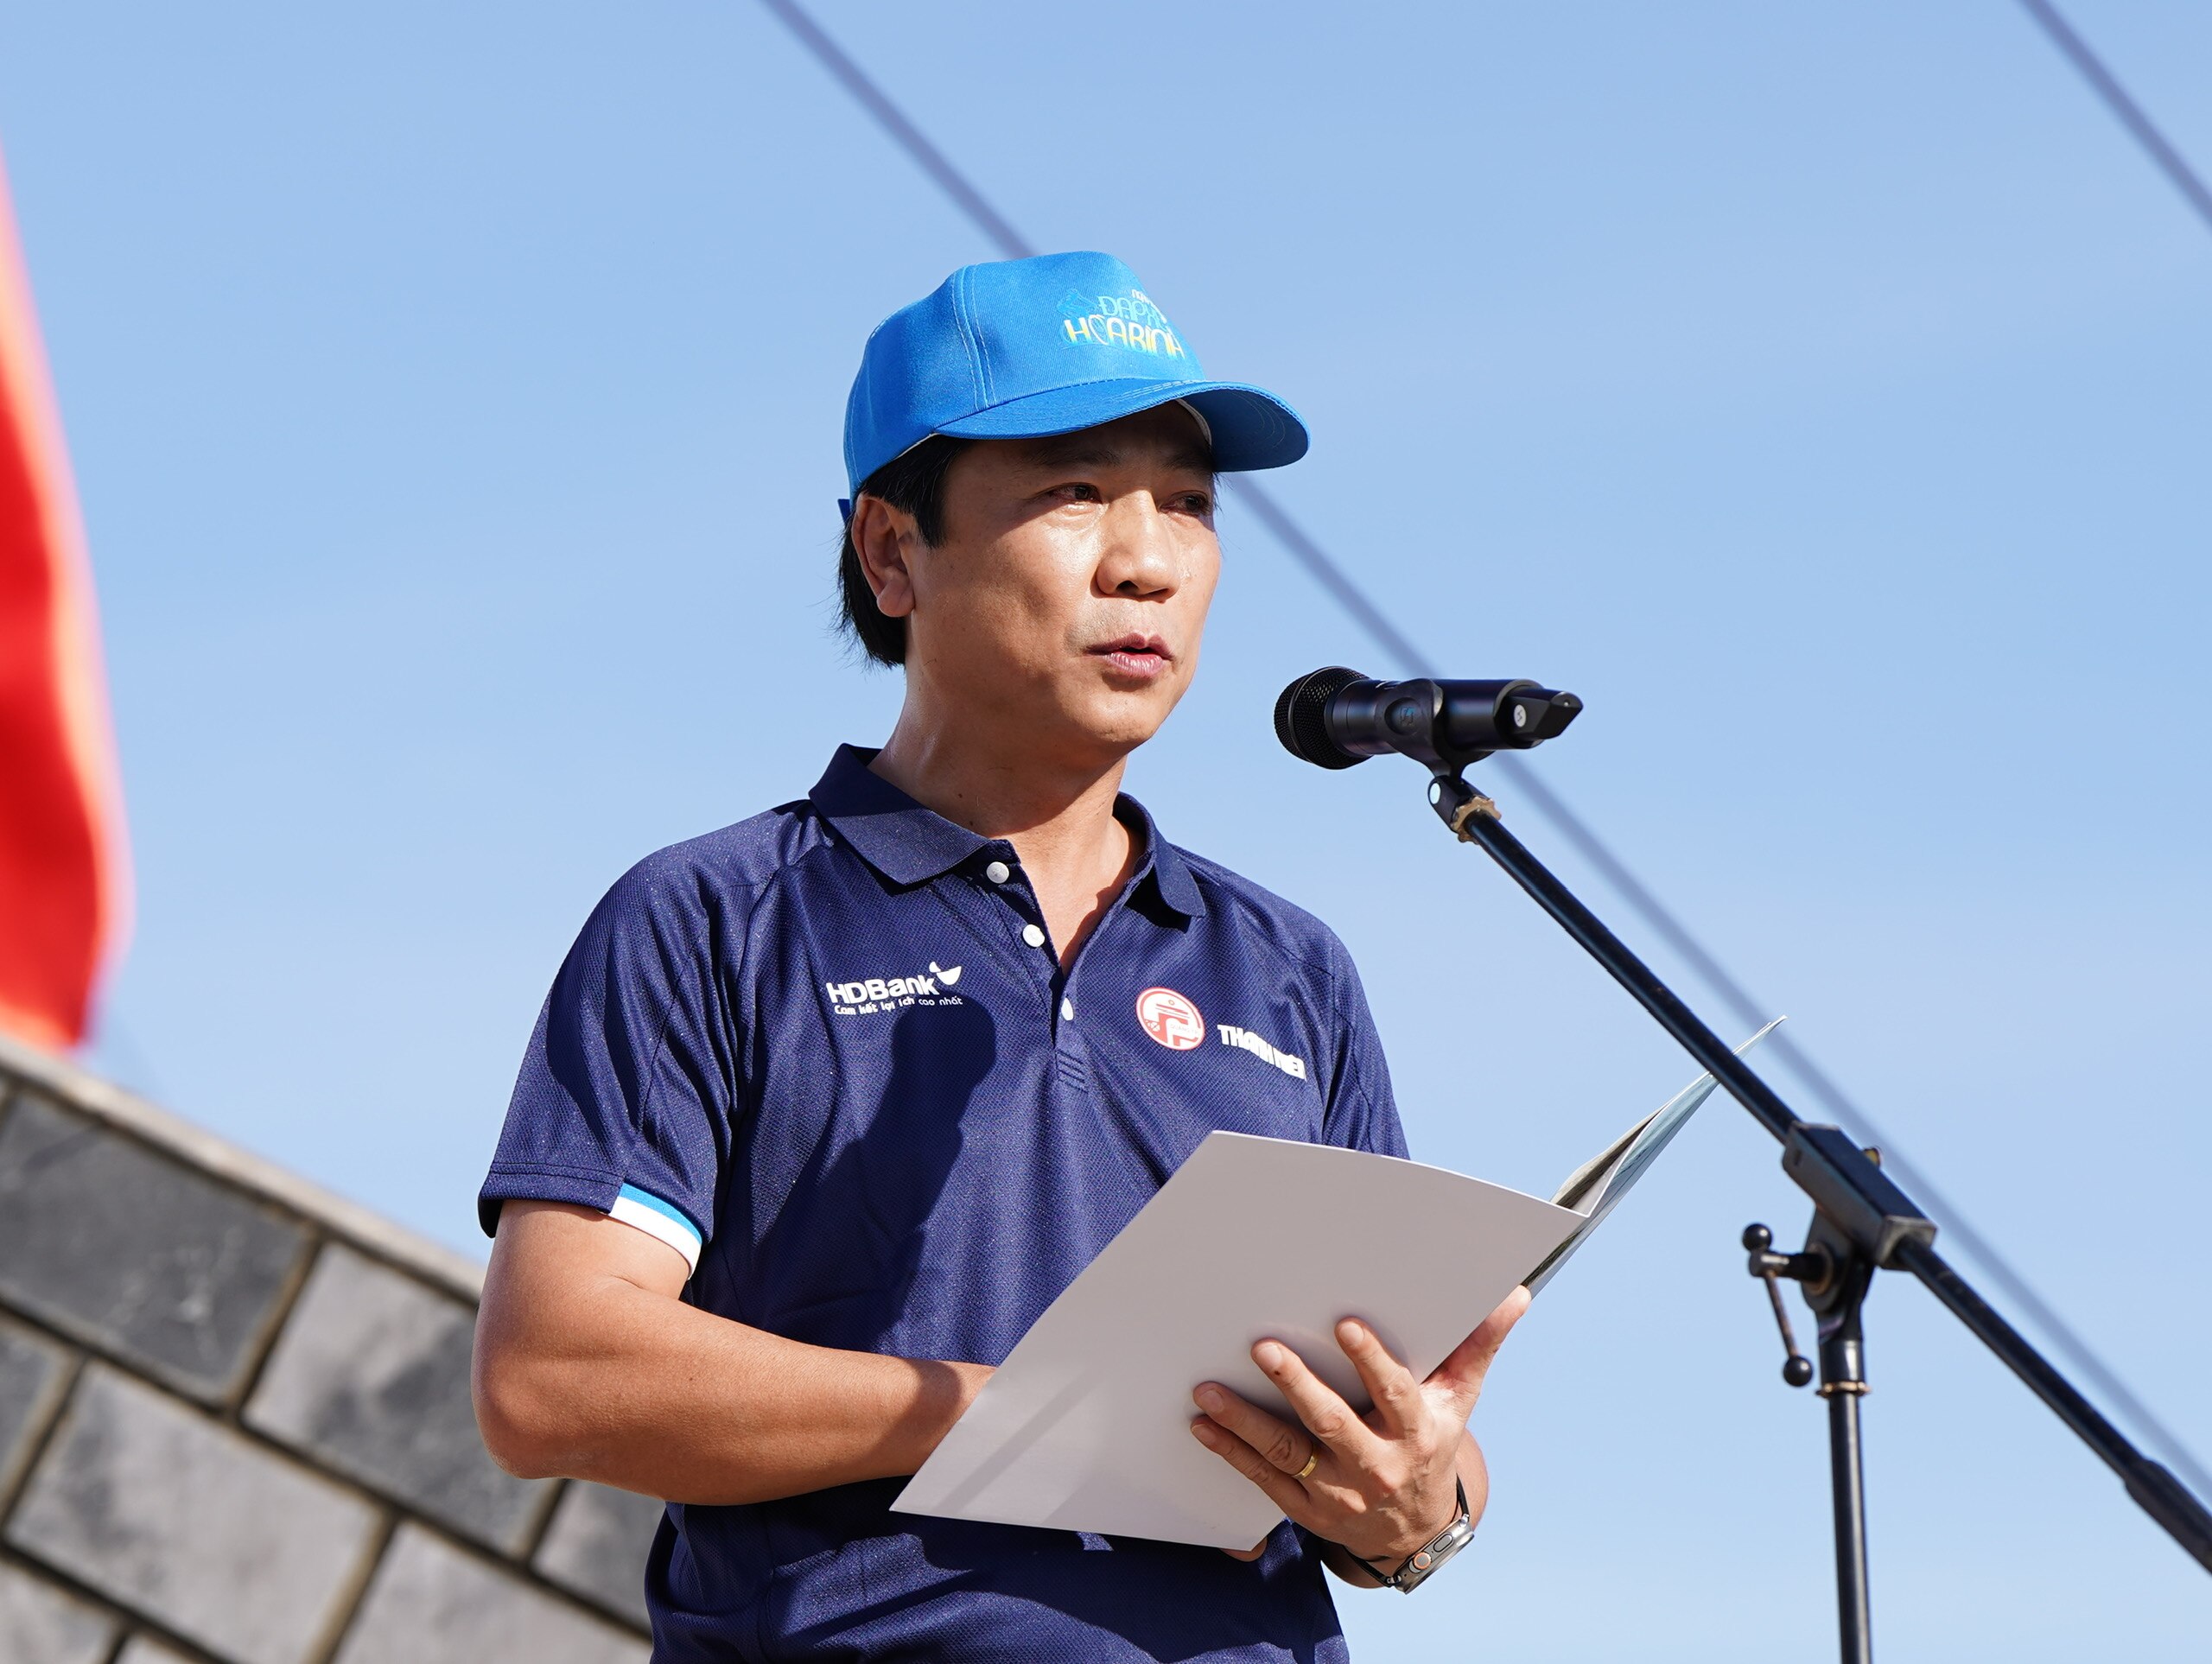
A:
(1196, 502)
(1081, 493)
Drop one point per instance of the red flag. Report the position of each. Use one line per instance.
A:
(64, 872)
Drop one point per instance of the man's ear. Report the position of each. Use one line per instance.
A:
(884, 537)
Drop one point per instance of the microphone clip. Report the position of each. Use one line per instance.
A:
(1456, 802)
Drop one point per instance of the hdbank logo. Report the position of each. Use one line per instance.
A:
(869, 994)
(1170, 1018)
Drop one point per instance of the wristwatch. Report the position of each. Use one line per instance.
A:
(1421, 1565)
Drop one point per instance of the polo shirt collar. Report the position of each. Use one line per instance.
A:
(909, 844)
(906, 843)
(1170, 873)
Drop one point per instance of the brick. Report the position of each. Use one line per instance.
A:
(370, 1377)
(32, 1370)
(433, 1603)
(42, 1624)
(597, 1544)
(167, 1513)
(135, 1253)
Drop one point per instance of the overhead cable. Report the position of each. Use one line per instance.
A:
(2122, 103)
(1409, 660)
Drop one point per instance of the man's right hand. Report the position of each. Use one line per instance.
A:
(589, 1365)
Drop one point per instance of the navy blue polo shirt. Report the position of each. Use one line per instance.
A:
(829, 1054)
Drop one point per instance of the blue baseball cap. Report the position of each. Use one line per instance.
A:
(1020, 349)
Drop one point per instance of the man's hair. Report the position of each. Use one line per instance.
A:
(914, 483)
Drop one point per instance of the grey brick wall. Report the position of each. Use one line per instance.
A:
(235, 1426)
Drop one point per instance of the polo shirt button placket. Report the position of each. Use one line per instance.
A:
(1000, 872)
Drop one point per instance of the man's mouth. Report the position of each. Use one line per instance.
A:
(1140, 657)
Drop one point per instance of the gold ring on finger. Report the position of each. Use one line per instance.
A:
(1312, 1463)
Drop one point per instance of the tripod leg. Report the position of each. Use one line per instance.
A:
(1855, 1617)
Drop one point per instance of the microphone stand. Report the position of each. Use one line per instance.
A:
(1862, 1223)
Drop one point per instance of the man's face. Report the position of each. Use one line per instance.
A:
(1063, 610)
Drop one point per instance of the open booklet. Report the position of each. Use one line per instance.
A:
(1086, 1426)
(1595, 1189)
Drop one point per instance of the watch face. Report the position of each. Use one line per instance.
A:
(1416, 1571)
(1432, 1554)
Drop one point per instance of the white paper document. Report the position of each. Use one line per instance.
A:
(1086, 1425)
(1594, 1189)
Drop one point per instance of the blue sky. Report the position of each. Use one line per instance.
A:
(1819, 391)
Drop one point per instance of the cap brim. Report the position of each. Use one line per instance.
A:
(1251, 427)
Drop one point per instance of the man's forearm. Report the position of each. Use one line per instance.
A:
(582, 1371)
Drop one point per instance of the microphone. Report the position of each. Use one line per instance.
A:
(1334, 718)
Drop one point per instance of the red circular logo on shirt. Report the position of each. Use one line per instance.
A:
(1170, 1018)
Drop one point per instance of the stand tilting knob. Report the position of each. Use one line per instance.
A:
(1769, 1268)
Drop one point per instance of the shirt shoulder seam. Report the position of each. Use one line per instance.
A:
(1238, 908)
(552, 1170)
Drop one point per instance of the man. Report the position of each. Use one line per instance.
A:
(824, 1109)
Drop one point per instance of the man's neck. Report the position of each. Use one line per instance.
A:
(1060, 821)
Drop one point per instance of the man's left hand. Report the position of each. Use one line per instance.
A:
(1379, 1484)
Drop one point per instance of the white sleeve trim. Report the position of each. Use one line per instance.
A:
(649, 1214)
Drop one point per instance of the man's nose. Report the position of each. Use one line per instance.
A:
(1142, 557)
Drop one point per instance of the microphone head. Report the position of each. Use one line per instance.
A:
(1301, 717)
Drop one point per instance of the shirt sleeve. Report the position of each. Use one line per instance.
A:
(1360, 1114)
(625, 1094)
